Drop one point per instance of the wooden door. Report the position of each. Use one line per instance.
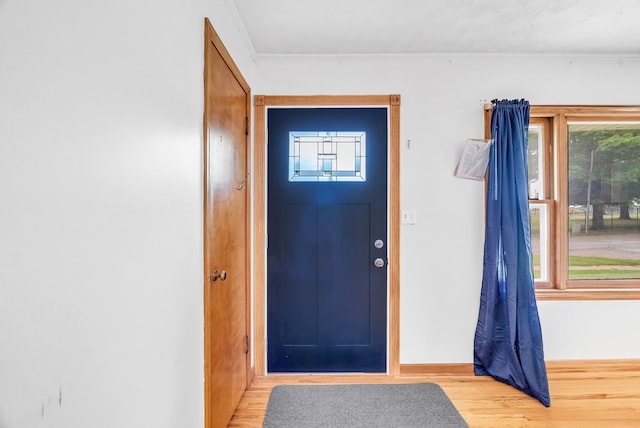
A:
(226, 225)
(327, 248)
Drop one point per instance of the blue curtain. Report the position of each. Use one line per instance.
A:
(508, 339)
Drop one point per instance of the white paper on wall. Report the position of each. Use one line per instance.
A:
(474, 159)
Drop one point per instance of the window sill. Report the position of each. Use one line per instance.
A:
(589, 294)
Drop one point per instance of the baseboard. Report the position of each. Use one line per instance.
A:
(586, 366)
(557, 366)
(454, 369)
(251, 376)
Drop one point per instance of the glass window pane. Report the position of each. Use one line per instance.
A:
(535, 165)
(308, 156)
(604, 194)
(346, 156)
(327, 156)
(540, 241)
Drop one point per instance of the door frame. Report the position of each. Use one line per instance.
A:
(213, 41)
(261, 103)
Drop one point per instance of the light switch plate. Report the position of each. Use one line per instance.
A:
(409, 217)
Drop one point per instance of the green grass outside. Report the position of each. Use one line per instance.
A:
(597, 272)
(593, 261)
(604, 274)
(601, 261)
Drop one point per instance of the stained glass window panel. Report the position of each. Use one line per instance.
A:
(327, 156)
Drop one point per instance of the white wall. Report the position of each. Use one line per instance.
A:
(101, 210)
(441, 256)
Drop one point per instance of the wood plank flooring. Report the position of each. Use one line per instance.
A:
(584, 394)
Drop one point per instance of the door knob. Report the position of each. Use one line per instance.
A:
(378, 262)
(379, 243)
(221, 275)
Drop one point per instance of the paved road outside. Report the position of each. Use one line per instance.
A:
(609, 246)
(612, 246)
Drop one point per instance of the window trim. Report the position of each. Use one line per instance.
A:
(554, 119)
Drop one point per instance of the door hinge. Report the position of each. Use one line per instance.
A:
(246, 126)
(246, 348)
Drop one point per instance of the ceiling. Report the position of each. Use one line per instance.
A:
(586, 27)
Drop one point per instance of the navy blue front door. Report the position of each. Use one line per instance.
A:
(326, 298)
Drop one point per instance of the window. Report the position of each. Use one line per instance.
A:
(604, 191)
(584, 201)
(327, 156)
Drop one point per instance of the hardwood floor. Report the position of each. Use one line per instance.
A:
(584, 394)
